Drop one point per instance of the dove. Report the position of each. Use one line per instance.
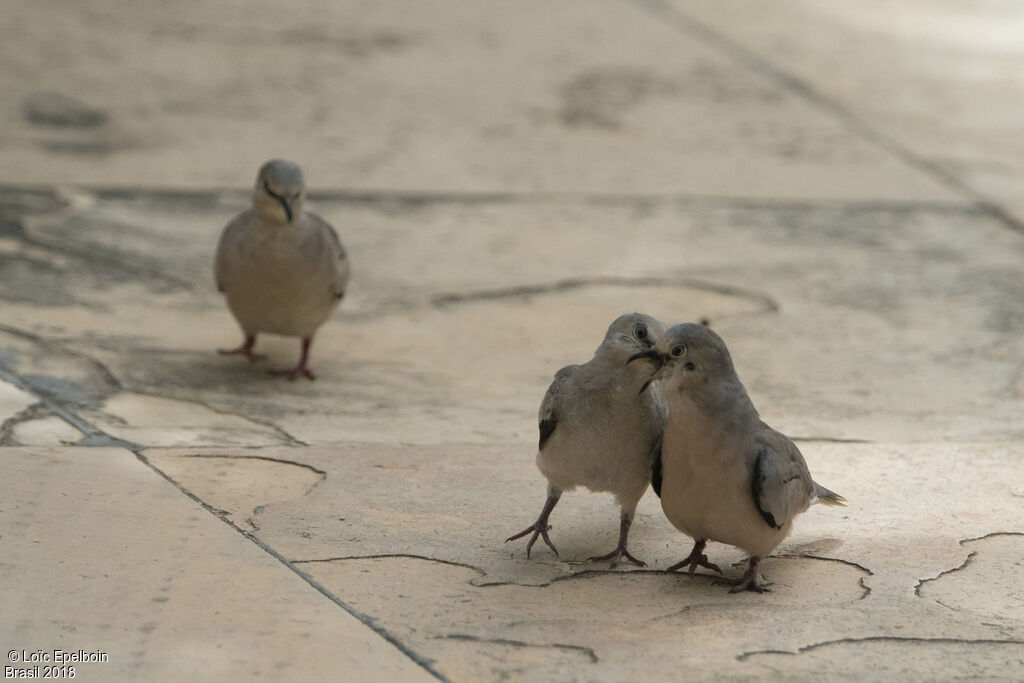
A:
(721, 473)
(596, 434)
(282, 269)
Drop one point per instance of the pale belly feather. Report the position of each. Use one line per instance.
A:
(707, 495)
(275, 289)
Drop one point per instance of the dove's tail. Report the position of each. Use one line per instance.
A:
(827, 497)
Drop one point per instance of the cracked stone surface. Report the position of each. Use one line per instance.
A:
(960, 59)
(472, 98)
(505, 188)
(167, 591)
(424, 554)
(13, 402)
(945, 303)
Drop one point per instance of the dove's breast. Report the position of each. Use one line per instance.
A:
(281, 280)
(706, 488)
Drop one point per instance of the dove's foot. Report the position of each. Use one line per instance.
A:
(245, 350)
(616, 555)
(620, 550)
(695, 559)
(295, 373)
(302, 369)
(539, 528)
(749, 580)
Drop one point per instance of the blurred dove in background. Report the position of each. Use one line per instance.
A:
(282, 270)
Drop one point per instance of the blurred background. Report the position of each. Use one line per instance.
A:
(837, 187)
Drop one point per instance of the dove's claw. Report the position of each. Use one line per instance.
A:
(695, 559)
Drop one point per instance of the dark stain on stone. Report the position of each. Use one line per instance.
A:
(61, 111)
(351, 43)
(599, 98)
(93, 148)
(18, 202)
(62, 391)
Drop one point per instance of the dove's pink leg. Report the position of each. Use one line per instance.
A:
(749, 582)
(302, 369)
(245, 350)
(695, 559)
(620, 550)
(540, 527)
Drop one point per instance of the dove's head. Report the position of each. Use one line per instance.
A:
(630, 334)
(279, 191)
(689, 356)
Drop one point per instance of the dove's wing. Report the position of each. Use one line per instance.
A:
(782, 486)
(342, 269)
(227, 248)
(549, 407)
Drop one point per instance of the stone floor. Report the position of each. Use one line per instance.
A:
(838, 187)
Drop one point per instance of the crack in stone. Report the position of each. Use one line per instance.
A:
(991, 534)
(97, 256)
(93, 435)
(90, 254)
(828, 439)
(367, 620)
(849, 563)
(589, 652)
(766, 304)
(869, 639)
(391, 200)
(393, 555)
(284, 461)
(967, 561)
(27, 414)
(59, 347)
(285, 436)
(674, 16)
(591, 573)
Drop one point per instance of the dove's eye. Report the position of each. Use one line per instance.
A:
(678, 350)
(640, 331)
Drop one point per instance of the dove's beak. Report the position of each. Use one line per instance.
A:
(652, 355)
(287, 204)
(656, 359)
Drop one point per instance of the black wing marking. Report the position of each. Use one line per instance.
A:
(548, 415)
(656, 468)
(757, 486)
(547, 427)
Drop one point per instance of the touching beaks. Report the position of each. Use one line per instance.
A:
(657, 360)
(652, 355)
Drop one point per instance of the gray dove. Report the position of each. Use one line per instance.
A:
(283, 270)
(595, 433)
(723, 474)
